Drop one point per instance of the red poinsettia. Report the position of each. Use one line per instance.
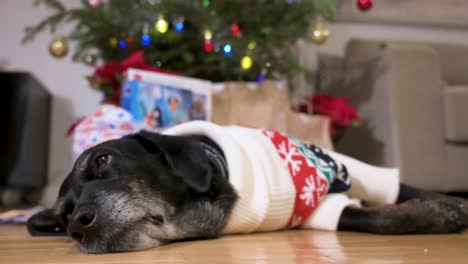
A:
(338, 110)
(108, 77)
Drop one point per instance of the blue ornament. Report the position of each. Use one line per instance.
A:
(122, 44)
(179, 26)
(145, 40)
(227, 49)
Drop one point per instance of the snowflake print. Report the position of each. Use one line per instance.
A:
(288, 153)
(323, 187)
(308, 192)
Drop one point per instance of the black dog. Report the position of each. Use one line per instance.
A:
(148, 189)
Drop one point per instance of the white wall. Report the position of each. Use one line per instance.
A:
(64, 79)
(74, 98)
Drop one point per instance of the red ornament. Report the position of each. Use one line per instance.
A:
(365, 5)
(130, 40)
(235, 30)
(208, 46)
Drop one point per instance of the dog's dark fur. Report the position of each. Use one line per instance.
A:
(148, 189)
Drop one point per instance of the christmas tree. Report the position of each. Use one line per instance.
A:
(218, 40)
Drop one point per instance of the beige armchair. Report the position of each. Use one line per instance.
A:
(413, 99)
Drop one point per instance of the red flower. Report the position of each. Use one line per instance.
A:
(338, 109)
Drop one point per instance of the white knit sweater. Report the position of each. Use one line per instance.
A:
(266, 191)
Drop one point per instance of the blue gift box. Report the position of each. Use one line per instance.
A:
(159, 106)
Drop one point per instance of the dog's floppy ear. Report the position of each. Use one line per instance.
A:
(50, 222)
(46, 223)
(183, 155)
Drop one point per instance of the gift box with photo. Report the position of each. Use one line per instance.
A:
(160, 101)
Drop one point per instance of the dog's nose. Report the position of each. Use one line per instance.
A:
(82, 224)
(85, 217)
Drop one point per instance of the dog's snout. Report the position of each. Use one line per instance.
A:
(82, 224)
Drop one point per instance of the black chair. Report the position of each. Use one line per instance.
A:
(24, 137)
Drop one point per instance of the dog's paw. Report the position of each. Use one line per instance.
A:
(436, 216)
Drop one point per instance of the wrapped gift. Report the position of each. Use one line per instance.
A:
(267, 105)
(108, 122)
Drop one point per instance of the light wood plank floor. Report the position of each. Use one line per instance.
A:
(301, 247)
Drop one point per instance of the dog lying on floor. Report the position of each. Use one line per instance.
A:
(200, 180)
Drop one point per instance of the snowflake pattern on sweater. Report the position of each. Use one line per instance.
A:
(313, 172)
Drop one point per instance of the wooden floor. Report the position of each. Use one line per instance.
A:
(280, 247)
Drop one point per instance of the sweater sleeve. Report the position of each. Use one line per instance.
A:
(375, 185)
(327, 215)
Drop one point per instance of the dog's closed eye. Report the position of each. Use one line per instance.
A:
(155, 219)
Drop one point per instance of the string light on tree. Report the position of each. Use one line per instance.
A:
(161, 25)
(145, 40)
(130, 40)
(122, 44)
(227, 49)
(262, 76)
(320, 34)
(365, 5)
(235, 30)
(208, 35)
(206, 3)
(94, 3)
(208, 45)
(58, 47)
(113, 41)
(246, 62)
(251, 45)
(179, 25)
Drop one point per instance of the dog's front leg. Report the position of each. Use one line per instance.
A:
(415, 216)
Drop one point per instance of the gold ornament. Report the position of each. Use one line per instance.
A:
(320, 34)
(58, 47)
(90, 59)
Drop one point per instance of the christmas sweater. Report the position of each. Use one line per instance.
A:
(284, 183)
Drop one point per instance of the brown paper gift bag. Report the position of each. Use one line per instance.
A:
(266, 105)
